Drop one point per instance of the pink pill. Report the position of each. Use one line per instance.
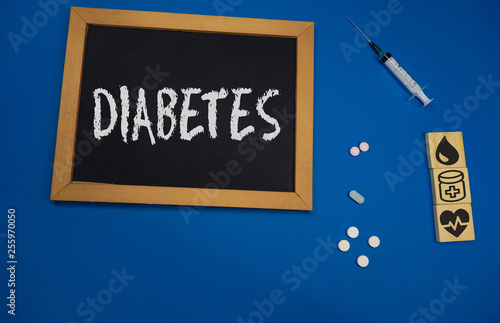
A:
(364, 146)
(354, 151)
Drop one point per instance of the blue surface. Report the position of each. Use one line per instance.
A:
(223, 265)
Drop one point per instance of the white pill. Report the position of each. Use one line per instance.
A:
(344, 245)
(374, 241)
(358, 198)
(353, 232)
(363, 261)
(364, 146)
(354, 151)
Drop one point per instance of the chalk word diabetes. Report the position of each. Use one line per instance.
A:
(141, 118)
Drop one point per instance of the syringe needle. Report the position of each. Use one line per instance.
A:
(359, 30)
(372, 44)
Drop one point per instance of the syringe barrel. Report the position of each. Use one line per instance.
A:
(400, 73)
(404, 78)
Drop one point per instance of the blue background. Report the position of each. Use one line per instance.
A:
(220, 264)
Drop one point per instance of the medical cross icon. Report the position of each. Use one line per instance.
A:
(452, 191)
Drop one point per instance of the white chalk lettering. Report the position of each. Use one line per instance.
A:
(186, 113)
(260, 110)
(98, 132)
(166, 112)
(237, 113)
(142, 122)
(124, 97)
(212, 98)
(167, 127)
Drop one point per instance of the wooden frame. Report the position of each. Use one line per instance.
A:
(63, 186)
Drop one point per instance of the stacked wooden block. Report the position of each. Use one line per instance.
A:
(450, 187)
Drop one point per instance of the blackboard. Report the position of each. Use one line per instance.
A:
(184, 108)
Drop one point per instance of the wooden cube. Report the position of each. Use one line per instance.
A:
(450, 186)
(445, 150)
(453, 222)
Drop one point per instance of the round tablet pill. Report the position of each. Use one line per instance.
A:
(354, 151)
(344, 245)
(374, 241)
(353, 232)
(363, 261)
(364, 146)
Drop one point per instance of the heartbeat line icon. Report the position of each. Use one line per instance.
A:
(455, 222)
(455, 225)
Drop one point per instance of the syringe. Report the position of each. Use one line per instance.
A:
(398, 71)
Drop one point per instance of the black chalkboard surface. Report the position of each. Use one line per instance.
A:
(156, 59)
(181, 109)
